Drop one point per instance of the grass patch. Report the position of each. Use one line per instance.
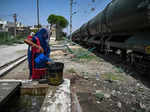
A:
(8, 39)
(71, 70)
(12, 41)
(99, 96)
(82, 55)
(140, 89)
(112, 77)
(118, 69)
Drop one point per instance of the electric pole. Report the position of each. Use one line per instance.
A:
(71, 3)
(15, 21)
(38, 21)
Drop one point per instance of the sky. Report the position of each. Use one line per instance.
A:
(26, 10)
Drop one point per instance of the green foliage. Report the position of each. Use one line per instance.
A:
(71, 70)
(99, 96)
(57, 20)
(82, 55)
(11, 41)
(52, 19)
(118, 69)
(7, 39)
(34, 30)
(112, 77)
(38, 26)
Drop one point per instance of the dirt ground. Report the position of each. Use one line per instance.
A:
(99, 85)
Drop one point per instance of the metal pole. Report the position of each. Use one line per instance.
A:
(71, 3)
(38, 20)
(15, 21)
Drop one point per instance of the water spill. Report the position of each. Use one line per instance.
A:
(25, 103)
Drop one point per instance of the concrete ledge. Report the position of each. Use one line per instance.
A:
(58, 98)
(8, 90)
(29, 87)
(14, 80)
(34, 89)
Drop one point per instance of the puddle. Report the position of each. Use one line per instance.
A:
(25, 103)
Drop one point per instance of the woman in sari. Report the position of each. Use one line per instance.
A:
(38, 47)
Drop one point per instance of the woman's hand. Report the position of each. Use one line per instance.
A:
(41, 49)
(29, 42)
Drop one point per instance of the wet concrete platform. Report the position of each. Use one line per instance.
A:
(7, 91)
(58, 98)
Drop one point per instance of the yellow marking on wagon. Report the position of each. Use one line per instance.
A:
(147, 49)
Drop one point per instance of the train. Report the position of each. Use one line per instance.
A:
(122, 28)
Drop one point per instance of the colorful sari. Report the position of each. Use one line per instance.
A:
(40, 38)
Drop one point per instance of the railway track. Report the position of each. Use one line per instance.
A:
(9, 66)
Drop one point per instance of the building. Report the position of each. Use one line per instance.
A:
(3, 26)
(6, 25)
(20, 26)
(33, 28)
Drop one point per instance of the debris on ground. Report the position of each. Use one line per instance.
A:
(99, 96)
(100, 86)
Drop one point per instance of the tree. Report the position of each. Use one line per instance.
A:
(38, 26)
(59, 21)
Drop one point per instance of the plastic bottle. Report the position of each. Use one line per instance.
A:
(97, 76)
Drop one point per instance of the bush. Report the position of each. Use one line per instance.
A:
(34, 30)
(7, 39)
(4, 36)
